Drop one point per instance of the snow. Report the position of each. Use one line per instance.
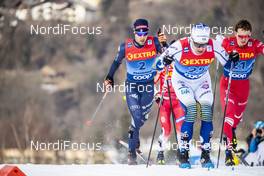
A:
(139, 170)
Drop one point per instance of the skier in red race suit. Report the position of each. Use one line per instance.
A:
(165, 111)
(248, 49)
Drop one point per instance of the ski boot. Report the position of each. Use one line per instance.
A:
(234, 139)
(231, 159)
(132, 158)
(160, 158)
(184, 159)
(205, 159)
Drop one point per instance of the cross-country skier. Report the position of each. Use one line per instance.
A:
(192, 84)
(139, 54)
(165, 111)
(248, 49)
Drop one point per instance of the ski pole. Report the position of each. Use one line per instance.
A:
(215, 79)
(89, 121)
(156, 122)
(164, 46)
(226, 101)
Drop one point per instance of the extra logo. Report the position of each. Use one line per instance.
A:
(232, 43)
(246, 55)
(249, 44)
(140, 56)
(197, 62)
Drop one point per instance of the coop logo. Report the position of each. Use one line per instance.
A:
(139, 56)
(239, 76)
(142, 77)
(197, 62)
(193, 76)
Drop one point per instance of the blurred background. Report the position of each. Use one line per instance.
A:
(48, 82)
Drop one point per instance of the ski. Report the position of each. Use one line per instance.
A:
(140, 155)
(242, 156)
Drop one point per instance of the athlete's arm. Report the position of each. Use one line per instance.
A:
(174, 51)
(157, 44)
(220, 38)
(220, 53)
(117, 61)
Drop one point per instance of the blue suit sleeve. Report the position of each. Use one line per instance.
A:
(117, 61)
(157, 44)
(253, 145)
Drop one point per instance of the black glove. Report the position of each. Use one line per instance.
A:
(234, 56)
(167, 60)
(109, 80)
(157, 98)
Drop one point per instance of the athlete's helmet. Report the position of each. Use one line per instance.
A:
(259, 124)
(200, 33)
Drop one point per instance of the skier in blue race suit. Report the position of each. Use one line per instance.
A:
(140, 55)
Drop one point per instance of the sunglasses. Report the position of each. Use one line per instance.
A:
(142, 33)
(198, 45)
(243, 36)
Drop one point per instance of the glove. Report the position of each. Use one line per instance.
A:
(167, 60)
(234, 56)
(109, 82)
(157, 98)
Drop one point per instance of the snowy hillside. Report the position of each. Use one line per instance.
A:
(139, 170)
